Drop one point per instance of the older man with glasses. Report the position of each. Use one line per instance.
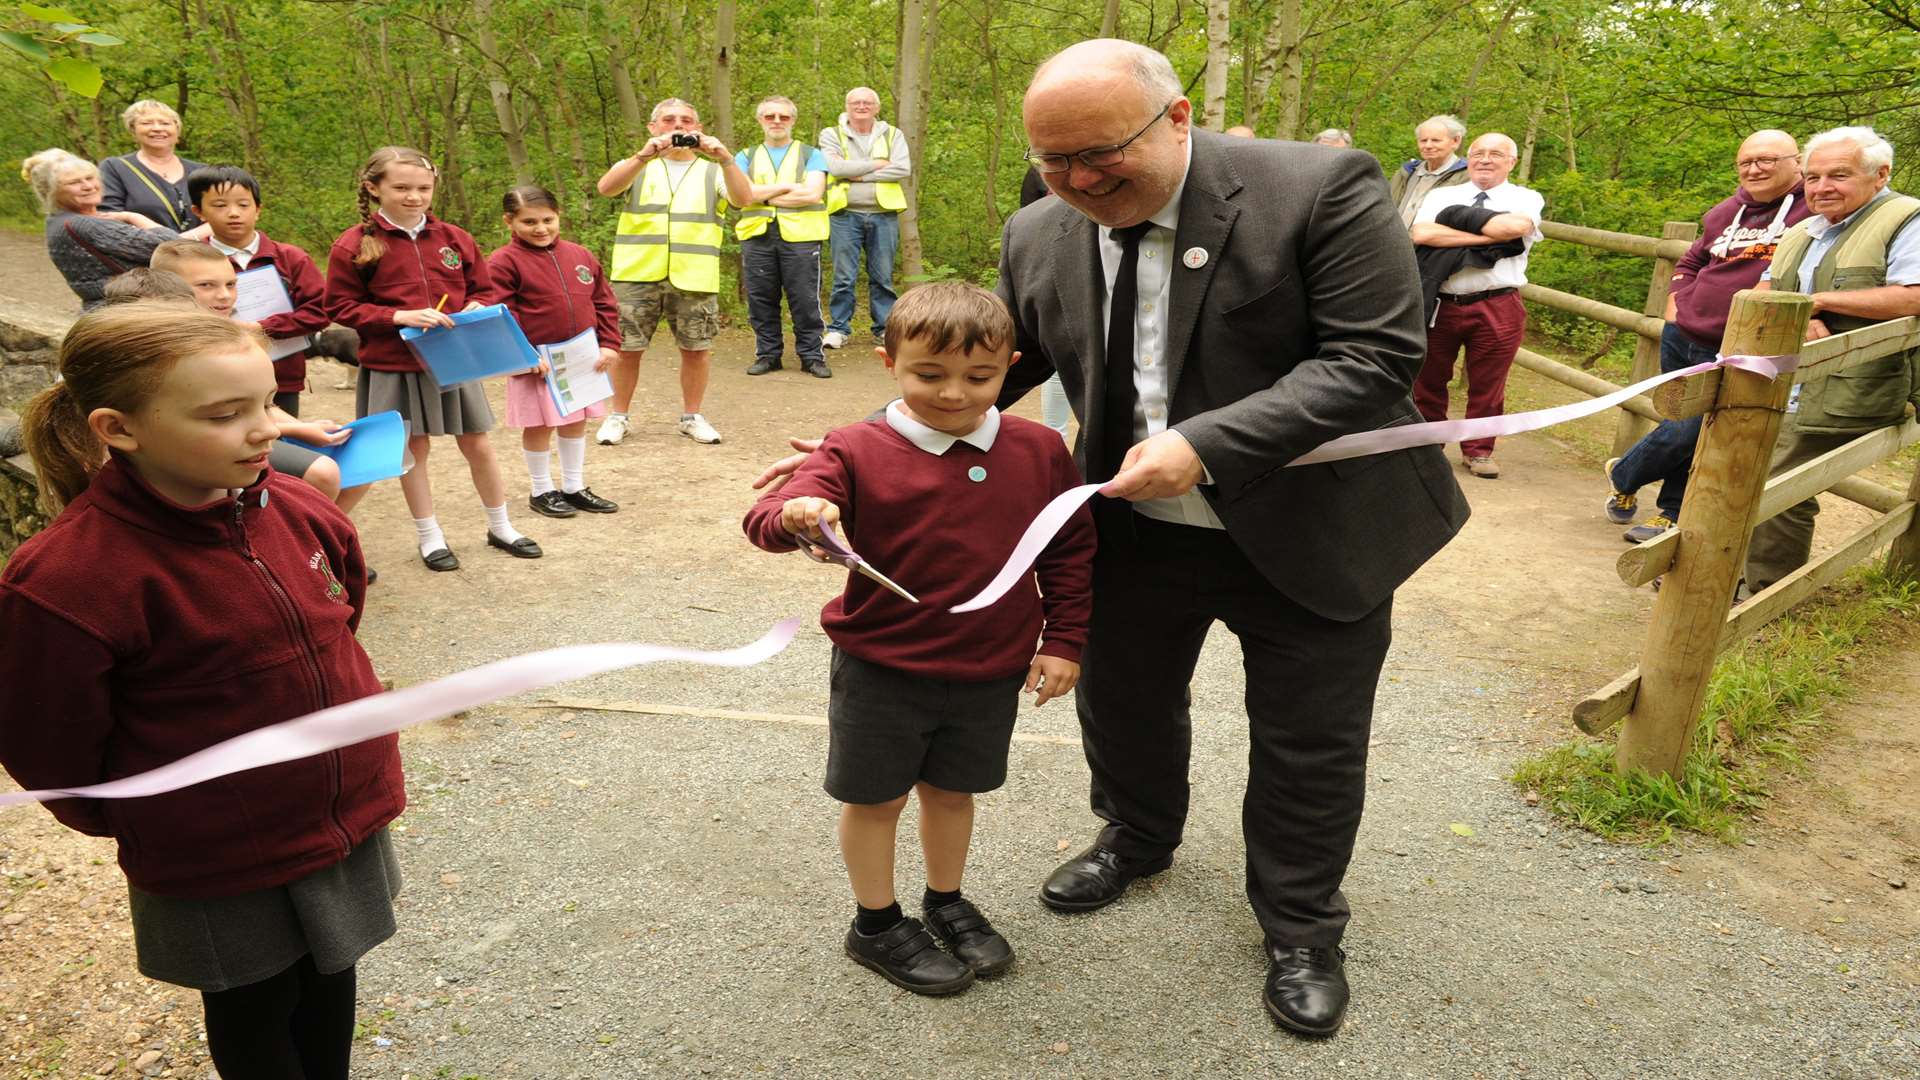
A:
(1737, 238)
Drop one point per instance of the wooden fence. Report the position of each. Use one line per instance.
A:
(1728, 491)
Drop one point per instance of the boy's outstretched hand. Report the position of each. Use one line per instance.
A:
(1050, 676)
(802, 518)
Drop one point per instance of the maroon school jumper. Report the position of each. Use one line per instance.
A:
(308, 292)
(554, 292)
(135, 631)
(414, 273)
(924, 521)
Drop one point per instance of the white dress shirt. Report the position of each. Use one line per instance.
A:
(1504, 198)
(1154, 281)
(939, 442)
(241, 255)
(413, 233)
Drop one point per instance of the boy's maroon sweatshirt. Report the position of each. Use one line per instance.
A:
(414, 273)
(554, 292)
(308, 292)
(923, 520)
(135, 631)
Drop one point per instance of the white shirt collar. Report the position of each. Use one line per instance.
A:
(413, 233)
(1819, 225)
(939, 442)
(251, 249)
(1168, 216)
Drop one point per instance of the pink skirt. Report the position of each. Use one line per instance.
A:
(529, 404)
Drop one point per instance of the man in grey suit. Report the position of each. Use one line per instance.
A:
(1215, 308)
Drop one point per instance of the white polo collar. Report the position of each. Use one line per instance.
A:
(939, 442)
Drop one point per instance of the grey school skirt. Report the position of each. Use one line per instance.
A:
(427, 409)
(337, 914)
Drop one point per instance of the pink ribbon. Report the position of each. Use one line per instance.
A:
(1361, 444)
(384, 714)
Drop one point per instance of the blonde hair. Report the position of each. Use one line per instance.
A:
(950, 316)
(46, 170)
(146, 283)
(113, 357)
(173, 254)
(372, 247)
(148, 106)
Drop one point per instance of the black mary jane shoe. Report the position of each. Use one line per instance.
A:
(1306, 989)
(1095, 878)
(968, 935)
(585, 499)
(372, 575)
(523, 548)
(906, 956)
(551, 504)
(440, 559)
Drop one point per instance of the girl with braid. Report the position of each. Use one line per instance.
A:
(401, 266)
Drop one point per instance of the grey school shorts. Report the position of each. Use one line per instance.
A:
(888, 729)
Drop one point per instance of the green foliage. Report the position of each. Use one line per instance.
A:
(1764, 711)
(56, 39)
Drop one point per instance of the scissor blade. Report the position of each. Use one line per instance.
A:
(885, 582)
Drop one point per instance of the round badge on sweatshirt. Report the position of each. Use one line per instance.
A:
(977, 473)
(1195, 258)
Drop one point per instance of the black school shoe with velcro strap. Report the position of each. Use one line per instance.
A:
(906, 956)
(970, 937)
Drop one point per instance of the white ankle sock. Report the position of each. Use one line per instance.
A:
(540, 470)
(499, 526)
(573, 463)
(427, 529)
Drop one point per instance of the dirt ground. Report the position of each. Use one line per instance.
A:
(1528, 587)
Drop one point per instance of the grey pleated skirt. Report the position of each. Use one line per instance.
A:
(337, 914)
(427, 409)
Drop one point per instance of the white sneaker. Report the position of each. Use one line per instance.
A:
(695, 427)
(833, 339)
(612, 430)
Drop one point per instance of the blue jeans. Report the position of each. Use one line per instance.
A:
(878, 234)
(1666, 453)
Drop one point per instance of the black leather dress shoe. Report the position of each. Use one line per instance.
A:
(966, 933)
(552, 504)
(585, 499)
(1307, 988)
(441, 559)
(761, 367)
(906, 956)
(523, 548)
(1095, 878)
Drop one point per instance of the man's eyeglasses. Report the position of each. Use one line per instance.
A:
(1488, 155)
(1095, 157)
(776, 116)
(1759, 162)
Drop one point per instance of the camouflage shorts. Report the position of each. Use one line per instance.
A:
(694, 317)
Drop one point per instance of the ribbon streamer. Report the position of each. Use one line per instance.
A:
(383, 714)
(1363, 443)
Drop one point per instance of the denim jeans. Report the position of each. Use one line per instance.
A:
(1666, 453)
(774, 266)
(878, 234)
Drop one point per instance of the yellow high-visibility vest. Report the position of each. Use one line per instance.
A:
(888, 193)
(669, 233)
(798, 224)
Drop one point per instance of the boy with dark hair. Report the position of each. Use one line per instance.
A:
(923, 700)
(227, 198)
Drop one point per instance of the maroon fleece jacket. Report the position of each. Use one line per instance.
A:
(414, 273)
(921, 520)
(554, 292)
(308, 291)
(135, 631)
(1737, 240)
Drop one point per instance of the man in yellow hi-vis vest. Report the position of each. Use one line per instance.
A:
(666, 256)
(780, 237)
(868, 158)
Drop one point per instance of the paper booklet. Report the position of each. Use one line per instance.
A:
(260, 293)
(571, 378)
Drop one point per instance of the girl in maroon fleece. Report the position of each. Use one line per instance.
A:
(556, 290)
(401, 266)
(187, 594)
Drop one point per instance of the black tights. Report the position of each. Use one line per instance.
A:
(297, 1025)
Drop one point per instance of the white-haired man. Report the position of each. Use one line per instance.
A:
(868, 158)
(1858, 256)
(1438, 165)
(1480, 308)
(1338, 138)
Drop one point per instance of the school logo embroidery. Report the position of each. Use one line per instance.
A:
(584, 274)
(336, 592)
(449, 258)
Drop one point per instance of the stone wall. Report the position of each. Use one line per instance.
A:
(27, 347)
(20, 513)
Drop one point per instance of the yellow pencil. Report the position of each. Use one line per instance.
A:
(442, 304)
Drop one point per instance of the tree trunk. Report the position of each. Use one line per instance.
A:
(1110, 19)
(1480, 61)
(995, 138)
(1213, 107)
(224, 46)
(453, 188)
(909, 92)
(501, 92)
(1533, 137)
(1566, 99)
(612, 38)
(1291, 98)
(722, 126)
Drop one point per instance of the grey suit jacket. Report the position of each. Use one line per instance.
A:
(1303, 325)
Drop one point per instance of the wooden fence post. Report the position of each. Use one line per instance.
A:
(1729, 473)
(1630, 429)
(1903, 558)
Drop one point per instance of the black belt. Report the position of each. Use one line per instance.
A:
(1463, 299)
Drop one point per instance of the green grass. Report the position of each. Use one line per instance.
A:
(1764, 713)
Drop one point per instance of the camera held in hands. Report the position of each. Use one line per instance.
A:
(687, 139)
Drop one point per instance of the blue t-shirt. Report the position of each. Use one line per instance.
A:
(815, 161)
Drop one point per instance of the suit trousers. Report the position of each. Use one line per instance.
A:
(1309, 703)
(1782, 543)
(1491, 331)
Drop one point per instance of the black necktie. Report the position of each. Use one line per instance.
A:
(1116, 421)
(1480, 200)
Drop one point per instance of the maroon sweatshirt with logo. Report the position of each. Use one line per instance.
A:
(554, 292)
(1737, 239)
(135, 631)
(414, 273)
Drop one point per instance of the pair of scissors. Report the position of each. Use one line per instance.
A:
(830, 548)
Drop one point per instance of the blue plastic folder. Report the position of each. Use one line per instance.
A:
(480, 344)
(377, 450)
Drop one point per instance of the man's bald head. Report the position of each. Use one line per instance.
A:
(1097, 95)
(1109, 59)
(1767, 164)
(1240, 131)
